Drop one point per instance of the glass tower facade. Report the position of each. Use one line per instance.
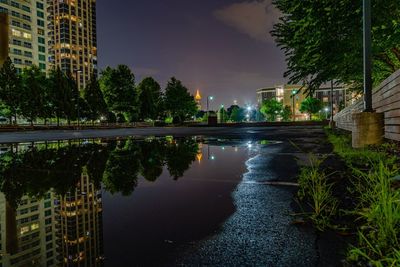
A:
(73, 38)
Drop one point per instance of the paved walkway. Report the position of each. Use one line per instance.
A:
(272, 133)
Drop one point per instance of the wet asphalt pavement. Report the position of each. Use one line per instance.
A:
(261, 231)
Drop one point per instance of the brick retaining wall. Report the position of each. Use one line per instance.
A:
(386, 99)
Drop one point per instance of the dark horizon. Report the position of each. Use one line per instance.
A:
(223, 49)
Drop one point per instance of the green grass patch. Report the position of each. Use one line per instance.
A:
(377, 215)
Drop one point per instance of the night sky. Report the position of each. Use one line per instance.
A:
(222, 47)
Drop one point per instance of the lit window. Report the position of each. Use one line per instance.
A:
(24, 230)
(27, 35)
(16, 33)
(34, 226)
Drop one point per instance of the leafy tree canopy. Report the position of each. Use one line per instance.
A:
(178, 101)
(150, 99)
(10, 88)
(34, 99)
(271, 109)
(118, 87)
(322, 40)
(95, 100)
(237, 114)
(311, 106)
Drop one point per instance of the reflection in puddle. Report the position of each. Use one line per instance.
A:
(53, 193)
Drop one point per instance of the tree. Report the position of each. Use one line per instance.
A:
(323, 40)
(179, 156)
(237, 114)
(222, 115)
(95, 100)
(10, 89)
(178, 101)
(120, 94)
(152, 159)
(33, 99)
(271, 109)
(200, 115)
(72, 99)
(59, 93)
(286, 113)
(311, 106)
(122, 169)
(150, 99)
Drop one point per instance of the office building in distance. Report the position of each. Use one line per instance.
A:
(290, 96)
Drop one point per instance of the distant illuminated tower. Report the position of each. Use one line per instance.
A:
(199, 155)
(198, 99)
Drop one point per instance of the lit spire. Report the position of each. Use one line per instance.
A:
(198, 96)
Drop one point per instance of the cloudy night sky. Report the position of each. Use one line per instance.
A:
(222, 47)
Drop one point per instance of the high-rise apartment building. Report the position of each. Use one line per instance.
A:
(73, 39)
(27, 29)
(3, 37)
(27, 232)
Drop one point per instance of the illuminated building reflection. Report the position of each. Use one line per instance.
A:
(80, 225)
(55, 230)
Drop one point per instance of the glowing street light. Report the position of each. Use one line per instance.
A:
(326, 112)
(209, 98)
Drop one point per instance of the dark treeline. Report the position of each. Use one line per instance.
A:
(114, 97)
(116, 165)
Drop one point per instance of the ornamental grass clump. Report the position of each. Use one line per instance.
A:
(379, 212)
(316, 191)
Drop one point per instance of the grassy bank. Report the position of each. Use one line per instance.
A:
(361, 197)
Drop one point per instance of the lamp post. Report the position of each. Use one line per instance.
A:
(209, 98)
(77, 94)
(326, 112)
(294, 92)
(367, 56)
(248, 113)
(331, 120)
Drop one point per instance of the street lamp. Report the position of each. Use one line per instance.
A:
(367, 56)
(326, 112)
(209, 98)
(77, 94)
(294, 92)
(331, 121)
(249, 109)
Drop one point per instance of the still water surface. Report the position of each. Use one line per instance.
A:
(114, 202)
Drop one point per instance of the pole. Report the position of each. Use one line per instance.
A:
(331, 121)
(294, 111)
(208, 111)
(367, 56)
(77, 96)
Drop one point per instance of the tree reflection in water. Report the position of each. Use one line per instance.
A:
(117, 165)
(65, 178)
